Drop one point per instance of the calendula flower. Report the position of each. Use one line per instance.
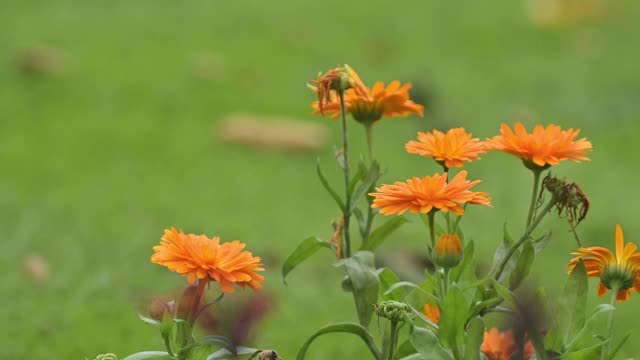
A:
(422, 195)
(452, 149)
(501, 346)
(432, 313)
(198, 257)
(620, 272)
(340, 78)
(370, 105)
(447, 252)
(542, 148)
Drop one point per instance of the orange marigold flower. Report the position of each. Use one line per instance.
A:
(432, 312)
(543, 147)
(370, 105)
(621, 272)
(501, 346)
(451, 149)
(423, 195)
(447, 252)
(198, 257)
(340, 78)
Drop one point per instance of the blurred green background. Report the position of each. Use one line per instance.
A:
(111, 137)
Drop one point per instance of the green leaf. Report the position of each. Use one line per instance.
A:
(542, 242)
(307, 247)
(378, 235)
(427, 344)
(387, 279)
(224, 353)
(328, 187)
(466, 266)
(591, 353)
(574, 300)
(351, 328)
(501, 251)
(365, 282)
(405, 349)
(523, 266)
(362, 223)
(149, 355)
(361, 172)
(372, 176)
(614, 351)
(474, 339)
(504, 293)
(578, 341)
(208, 340)
(408, 284)
(149, 320)
(454, 311)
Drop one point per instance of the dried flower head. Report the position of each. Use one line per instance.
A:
(570, 200)
(542, 148)
(451, 149)
(422, 195)
(619, 272)
(501, 345)
(338, 79)
(198, 257)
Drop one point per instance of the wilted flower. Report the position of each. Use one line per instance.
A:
(198, 257)
(447, 252)
(501, 346)
(543, 147)
(569, 199)
(338, 79)
(450, 149)
(620, 272)
(422, 195)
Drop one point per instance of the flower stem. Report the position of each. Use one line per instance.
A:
(167, 343)
(538, 345)
(525, 236)
(432, 233)
(345, 154)
(369, 129)
(392, 338)
(605, 348)
(534, 195)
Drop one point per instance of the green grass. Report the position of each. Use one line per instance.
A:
(98, 161)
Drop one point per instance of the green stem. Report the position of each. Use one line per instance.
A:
(392, 339)
(167, 344)
(534, 196)
(432, 232)
(345, 154)
(524, 237)
(605, 348)
(369, 130)
(538, 345)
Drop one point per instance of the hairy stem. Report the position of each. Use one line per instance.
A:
(534, 196)
(605, 348)
(345, 154)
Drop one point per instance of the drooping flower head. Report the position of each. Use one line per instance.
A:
(368, 105)
(542, 148)
(447, 252)
(432, 312)
(501, 345)
(620, 271)
(198, 257)
(422, 195)
(451, 149)
(340, 78)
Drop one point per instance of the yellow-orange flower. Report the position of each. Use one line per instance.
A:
(198, 257)
(370, 105)
(501, 346)
(451, 149)
(447, 252)
(421, 195)
(342, 77)
(543, 147)
(432, 312)
(621, 272)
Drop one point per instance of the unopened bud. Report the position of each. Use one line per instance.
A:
(448, 251)
(393, 310)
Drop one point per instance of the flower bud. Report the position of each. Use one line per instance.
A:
(109, 356)
(393, 310)
(448, 251)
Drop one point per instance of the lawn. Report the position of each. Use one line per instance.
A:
(97, 159)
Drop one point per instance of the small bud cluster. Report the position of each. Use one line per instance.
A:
(393, 310)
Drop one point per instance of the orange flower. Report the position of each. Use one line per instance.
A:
(422, 195)
(198, 257)
(450, 149)
(340, 78)
(370, 105)
(501, 346)
(621, 272)
(432, 313)
(447, 252)
(543, 147)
